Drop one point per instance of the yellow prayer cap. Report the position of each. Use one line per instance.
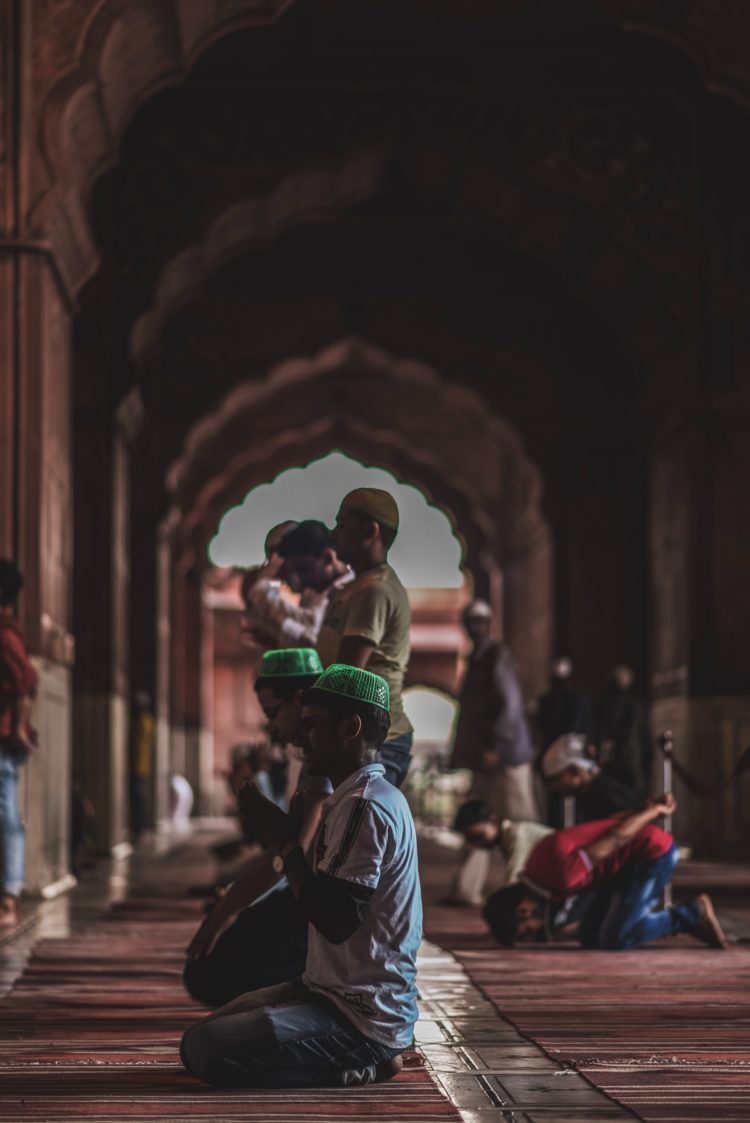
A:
(380, 506)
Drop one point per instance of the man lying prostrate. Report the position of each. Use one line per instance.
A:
(601, 883)
(349, 1018)
(481, 828)
(254, 938)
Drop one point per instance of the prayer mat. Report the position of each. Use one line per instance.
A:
(91, 1030)
(664, 1030)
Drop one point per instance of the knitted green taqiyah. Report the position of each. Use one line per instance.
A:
(355, 684)
(290, 662)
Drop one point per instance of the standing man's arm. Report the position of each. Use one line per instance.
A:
(355, 651)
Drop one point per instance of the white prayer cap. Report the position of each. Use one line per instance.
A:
(562, 667)
(567, 750)
(478, 609)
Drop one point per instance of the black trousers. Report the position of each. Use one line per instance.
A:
(266, 945)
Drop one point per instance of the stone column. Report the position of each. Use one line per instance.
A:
(162, 555)
(36, 529)
(191, 743)
(701, 614)
(101, 612)
(529, 618)
(35, 463)
(206, 747)
(102, 577)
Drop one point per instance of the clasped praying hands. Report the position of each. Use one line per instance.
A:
(264, 819)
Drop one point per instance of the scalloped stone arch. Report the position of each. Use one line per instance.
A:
(299, 198)
(240, 412)
(128, 50)
(605, 275)
(445, 440)
(388, 450)
(721, 62)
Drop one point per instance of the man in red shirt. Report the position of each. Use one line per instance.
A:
(18, 682)
(599, 882)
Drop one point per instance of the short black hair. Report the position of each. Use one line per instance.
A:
(375, 720)
(471, 812)
(11, 582)
(500, 912)
(310, 539)
(285, 686)
(387, 533)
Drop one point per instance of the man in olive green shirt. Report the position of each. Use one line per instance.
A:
(367, 623)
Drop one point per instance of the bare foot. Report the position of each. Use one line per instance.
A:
(708, 928)
(386, 1070)
(8, 914)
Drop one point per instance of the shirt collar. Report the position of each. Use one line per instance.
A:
(366, 772)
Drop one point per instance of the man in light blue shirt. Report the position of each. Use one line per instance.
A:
(349, 1018)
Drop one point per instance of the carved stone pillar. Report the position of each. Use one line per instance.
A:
(206, 744)
(701, 612)
(191, 743)
(528, 611)
(35, 465)
(37, 532)
(102, 585)
(162, 557)
(102, 525)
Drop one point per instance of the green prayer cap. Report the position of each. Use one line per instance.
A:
(376, 504)
(354, 684)
(290, 662)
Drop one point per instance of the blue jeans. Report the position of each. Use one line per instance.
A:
(395, 756)
(12, 830)
(627, 913)
(281, 1037)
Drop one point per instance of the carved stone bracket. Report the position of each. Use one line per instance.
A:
(95, 62)
(713, 34)
(299, 198)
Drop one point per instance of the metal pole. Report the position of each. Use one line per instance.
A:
(666, 741)
(569, 811)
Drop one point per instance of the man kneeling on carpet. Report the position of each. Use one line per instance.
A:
(599, 883)
(351, 1015)
(256, 935)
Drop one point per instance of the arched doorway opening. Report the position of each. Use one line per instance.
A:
(427, 555)
(433, 789)
(399, 414)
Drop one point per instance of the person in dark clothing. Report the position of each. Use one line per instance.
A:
(563, 708)
(256, 935)
(493, 741)
(622, 734)
(569, 769)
